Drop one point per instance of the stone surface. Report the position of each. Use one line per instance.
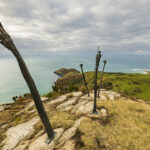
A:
(26, 109)
(79, 107)
(44, 99)
(100, 113)
(22, 146)
(77, 94)
(83, 108)
(69, 133)
(58, 100)
(18, 133)
(86, 97)
(32, 111)
(111, 97)
(2, 107)
(102, 97)
(67, 103)
(40, 144)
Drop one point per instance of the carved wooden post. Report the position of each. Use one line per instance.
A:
(7, 42)
(101, 78)
(98, 57)
(81, 65)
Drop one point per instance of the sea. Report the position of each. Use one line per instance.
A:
(42, 67)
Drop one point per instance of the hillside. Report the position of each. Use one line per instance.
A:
(62, 71)
(133, 85)
(120, 124)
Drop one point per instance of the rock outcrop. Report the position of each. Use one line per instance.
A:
(25, 136)
(61, 72)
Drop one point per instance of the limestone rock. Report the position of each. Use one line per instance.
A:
(40, 144)
(2, 107)
(44, 99)
(67, 103)
(83, 108)
(79, 107)
(102, 97)
(19, 133)
(77, 94)
(100, 113)
(58, 100)
(22, 146)
(68, 134)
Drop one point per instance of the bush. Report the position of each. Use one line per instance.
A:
(107, 85)
(52, 94)
(73, 88)
(82, 89)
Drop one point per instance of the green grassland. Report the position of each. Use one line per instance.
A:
(133, 85)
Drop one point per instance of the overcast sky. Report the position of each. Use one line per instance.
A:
(60, 25)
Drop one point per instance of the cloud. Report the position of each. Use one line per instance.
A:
(54, 25)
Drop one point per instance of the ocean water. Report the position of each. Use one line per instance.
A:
(42, 67)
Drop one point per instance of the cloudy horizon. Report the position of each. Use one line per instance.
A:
(51, 25)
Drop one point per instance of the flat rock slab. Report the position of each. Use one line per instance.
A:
(102, 97)
(68, 134)
(77, 94)
(58, 100)
(22, 146)
(79, 107)
(44, 99)
(86, 97)
(83, 108)
(100, 113)
(2, 107)
(67, 104)
(40, 144)
(19, 133)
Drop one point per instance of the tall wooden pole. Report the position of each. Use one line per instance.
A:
(98, 57)
(7, 42)
(101, 78)
(85, 83)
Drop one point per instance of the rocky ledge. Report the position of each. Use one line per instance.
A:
(68, 114)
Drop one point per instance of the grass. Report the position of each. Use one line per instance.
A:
(133, 85)
(126, 128)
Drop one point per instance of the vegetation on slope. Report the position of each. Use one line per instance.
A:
(127, 127)
(62, 71)
(130, 84)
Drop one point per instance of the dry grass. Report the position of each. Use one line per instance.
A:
(61, 119)
(126, 128)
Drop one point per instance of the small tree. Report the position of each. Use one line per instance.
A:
(7, 42)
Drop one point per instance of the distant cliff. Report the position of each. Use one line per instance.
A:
(62, 71)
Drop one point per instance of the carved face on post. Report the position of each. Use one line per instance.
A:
(81, 65)
(5, 39)
(98, 56)
(104, 62)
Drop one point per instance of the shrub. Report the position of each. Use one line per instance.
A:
(82, 89)
(107, 85)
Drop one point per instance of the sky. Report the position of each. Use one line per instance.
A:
(39, 26)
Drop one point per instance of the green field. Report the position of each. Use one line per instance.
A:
(133, 85)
